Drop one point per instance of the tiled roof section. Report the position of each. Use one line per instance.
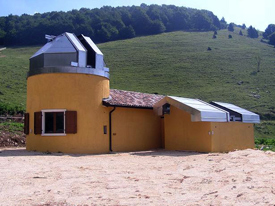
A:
(131, 99)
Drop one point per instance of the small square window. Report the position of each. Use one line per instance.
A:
(53, 122)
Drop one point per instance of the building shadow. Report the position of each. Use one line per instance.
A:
(14, 152)
(163, 152)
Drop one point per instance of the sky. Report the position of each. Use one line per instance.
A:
(259, 14)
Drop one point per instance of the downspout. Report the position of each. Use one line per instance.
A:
(110, 128)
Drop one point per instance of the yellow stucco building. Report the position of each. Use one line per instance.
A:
(71, 109)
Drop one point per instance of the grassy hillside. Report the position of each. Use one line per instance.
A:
(14, 64)
(177, 64)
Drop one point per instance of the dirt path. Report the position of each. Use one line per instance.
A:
(144, 178)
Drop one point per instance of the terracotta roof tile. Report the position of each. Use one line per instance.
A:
(131, 99)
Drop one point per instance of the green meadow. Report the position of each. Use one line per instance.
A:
(239, 70)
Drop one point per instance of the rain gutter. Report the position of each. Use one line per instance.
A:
(110, 128)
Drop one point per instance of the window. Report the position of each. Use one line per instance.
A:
(166, 109)
(55, 122)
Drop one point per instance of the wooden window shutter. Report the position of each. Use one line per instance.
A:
(38, 123)
(70, 122)
(26, 123)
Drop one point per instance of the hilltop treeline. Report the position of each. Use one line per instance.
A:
(106, 24)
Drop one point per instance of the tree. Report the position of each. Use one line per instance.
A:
(215, 22)
(2, 36)
(156, 27)
(106, 24)
(243, 26)
(201, 21)
(231, 27)
(179, 20)
(107, 33)
(272, 39)
(127, 32)
(154, 12)
(125, 16)
(252, 32)
(223, 20)
(141, 21)
(241, 33)
(269, 30)
(223, 23)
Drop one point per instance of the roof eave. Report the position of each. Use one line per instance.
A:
(107, 104)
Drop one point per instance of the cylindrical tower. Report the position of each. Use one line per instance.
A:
(66, 83)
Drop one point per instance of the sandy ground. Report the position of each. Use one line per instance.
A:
(143, 178)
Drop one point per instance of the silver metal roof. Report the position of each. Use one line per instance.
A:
(199, 110)
(202, 111)
(247, 116)
(66, 53)
(92, 44)
(75, 41)
(99, 62)
(64, 43)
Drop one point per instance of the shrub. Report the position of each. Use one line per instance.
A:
(264, 141)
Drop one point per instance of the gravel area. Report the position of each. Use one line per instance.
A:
(159, 177)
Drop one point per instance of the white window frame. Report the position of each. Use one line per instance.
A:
(43, 122)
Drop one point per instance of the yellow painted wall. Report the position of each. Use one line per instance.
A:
(162, 127)
(135, 129)
(79, 92)
(229, 136)
(182, 134)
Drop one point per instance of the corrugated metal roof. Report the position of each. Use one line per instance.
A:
(201, 111)
(247, 116)
(131, 99)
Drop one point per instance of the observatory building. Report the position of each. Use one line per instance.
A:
(71, 109)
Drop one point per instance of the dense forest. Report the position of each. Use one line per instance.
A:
(106, 24)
